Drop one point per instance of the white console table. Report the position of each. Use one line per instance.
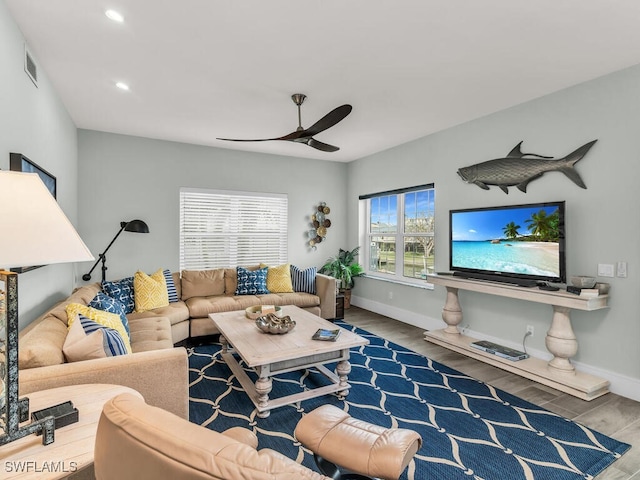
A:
(561, 342)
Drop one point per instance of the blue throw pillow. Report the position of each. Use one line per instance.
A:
(121, 290)
(104, 302)
(171, 286)
(304, 280)
(252, 282)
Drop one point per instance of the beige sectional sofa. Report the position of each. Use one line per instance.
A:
(202, 292)
(156, 369)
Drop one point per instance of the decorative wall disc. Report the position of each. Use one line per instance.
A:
(320, 224)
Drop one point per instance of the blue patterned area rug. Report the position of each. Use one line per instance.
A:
(470, 430)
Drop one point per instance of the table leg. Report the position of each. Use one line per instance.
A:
(452, 311)
(343, 369)
(263, 387)
(561, 341)
(225, 344)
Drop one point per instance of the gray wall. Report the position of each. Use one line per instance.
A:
(124, 178)
(35, 123)
(602, 221)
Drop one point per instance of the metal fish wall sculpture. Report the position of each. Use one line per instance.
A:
(519, 169)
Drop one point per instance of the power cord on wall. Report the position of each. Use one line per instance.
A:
(524, 339)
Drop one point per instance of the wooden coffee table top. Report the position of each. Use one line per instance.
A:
(258, 348)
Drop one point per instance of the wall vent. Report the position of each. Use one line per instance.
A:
(30, 66)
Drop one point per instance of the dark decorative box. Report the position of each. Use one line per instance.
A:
(64, 413)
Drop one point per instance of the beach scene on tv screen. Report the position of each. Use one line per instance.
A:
(522, 241)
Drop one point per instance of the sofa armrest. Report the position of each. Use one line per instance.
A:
(160, 376)
(326, 288)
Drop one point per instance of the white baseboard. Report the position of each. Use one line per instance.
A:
(620, 384)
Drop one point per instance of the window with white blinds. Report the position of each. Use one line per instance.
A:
(221, 229)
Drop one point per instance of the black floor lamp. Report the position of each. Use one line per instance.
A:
(135, 226)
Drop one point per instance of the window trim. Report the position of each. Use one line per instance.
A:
(400, 235)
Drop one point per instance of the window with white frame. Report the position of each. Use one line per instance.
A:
(221, 228)
(400, 233)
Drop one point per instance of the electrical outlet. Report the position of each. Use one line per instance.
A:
(530, 330)
(390, 295)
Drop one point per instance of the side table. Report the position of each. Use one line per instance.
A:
(72, 450)
(339, 306)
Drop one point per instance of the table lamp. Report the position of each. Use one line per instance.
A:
(35, 232)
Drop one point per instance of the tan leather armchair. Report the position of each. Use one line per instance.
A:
(137, 441)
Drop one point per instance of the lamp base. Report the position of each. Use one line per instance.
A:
(44, 426)
(15, 410)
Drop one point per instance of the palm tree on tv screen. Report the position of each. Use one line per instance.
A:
(544, 227)
(511, 230)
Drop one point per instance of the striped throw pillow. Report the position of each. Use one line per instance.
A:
(106, 319)
(171, 286)
(304, 280)
(87, 340)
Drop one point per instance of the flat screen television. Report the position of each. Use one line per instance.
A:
(518, 244)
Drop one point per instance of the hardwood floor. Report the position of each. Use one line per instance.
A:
(611, 414)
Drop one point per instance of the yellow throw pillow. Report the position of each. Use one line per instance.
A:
(110, 320)
(150, 291)
(279, 278)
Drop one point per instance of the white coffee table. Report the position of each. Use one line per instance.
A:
(270, 355)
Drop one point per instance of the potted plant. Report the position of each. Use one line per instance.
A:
(344, 268)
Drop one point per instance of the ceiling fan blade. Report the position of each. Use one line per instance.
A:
(329, 120)
(248, 140)
(325, 147)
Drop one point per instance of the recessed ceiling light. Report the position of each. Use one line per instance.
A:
(122, 86)
(115, 16)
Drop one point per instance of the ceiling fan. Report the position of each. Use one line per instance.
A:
(305, 135)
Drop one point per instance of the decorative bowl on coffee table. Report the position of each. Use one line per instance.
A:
(273, 324)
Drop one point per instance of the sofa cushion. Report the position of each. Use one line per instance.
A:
(87, 340)
(176, 312)
(279, 278)
(299, 299)
(121, 290)
(104, 302)
(251, 282)
(110, 320)
(42, 345)
(150, 291)
(304, 280)
(202, 283)
(153, 333)
(200, 307)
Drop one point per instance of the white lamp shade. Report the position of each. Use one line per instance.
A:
(35, 230)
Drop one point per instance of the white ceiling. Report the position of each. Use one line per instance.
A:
(201, 69)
